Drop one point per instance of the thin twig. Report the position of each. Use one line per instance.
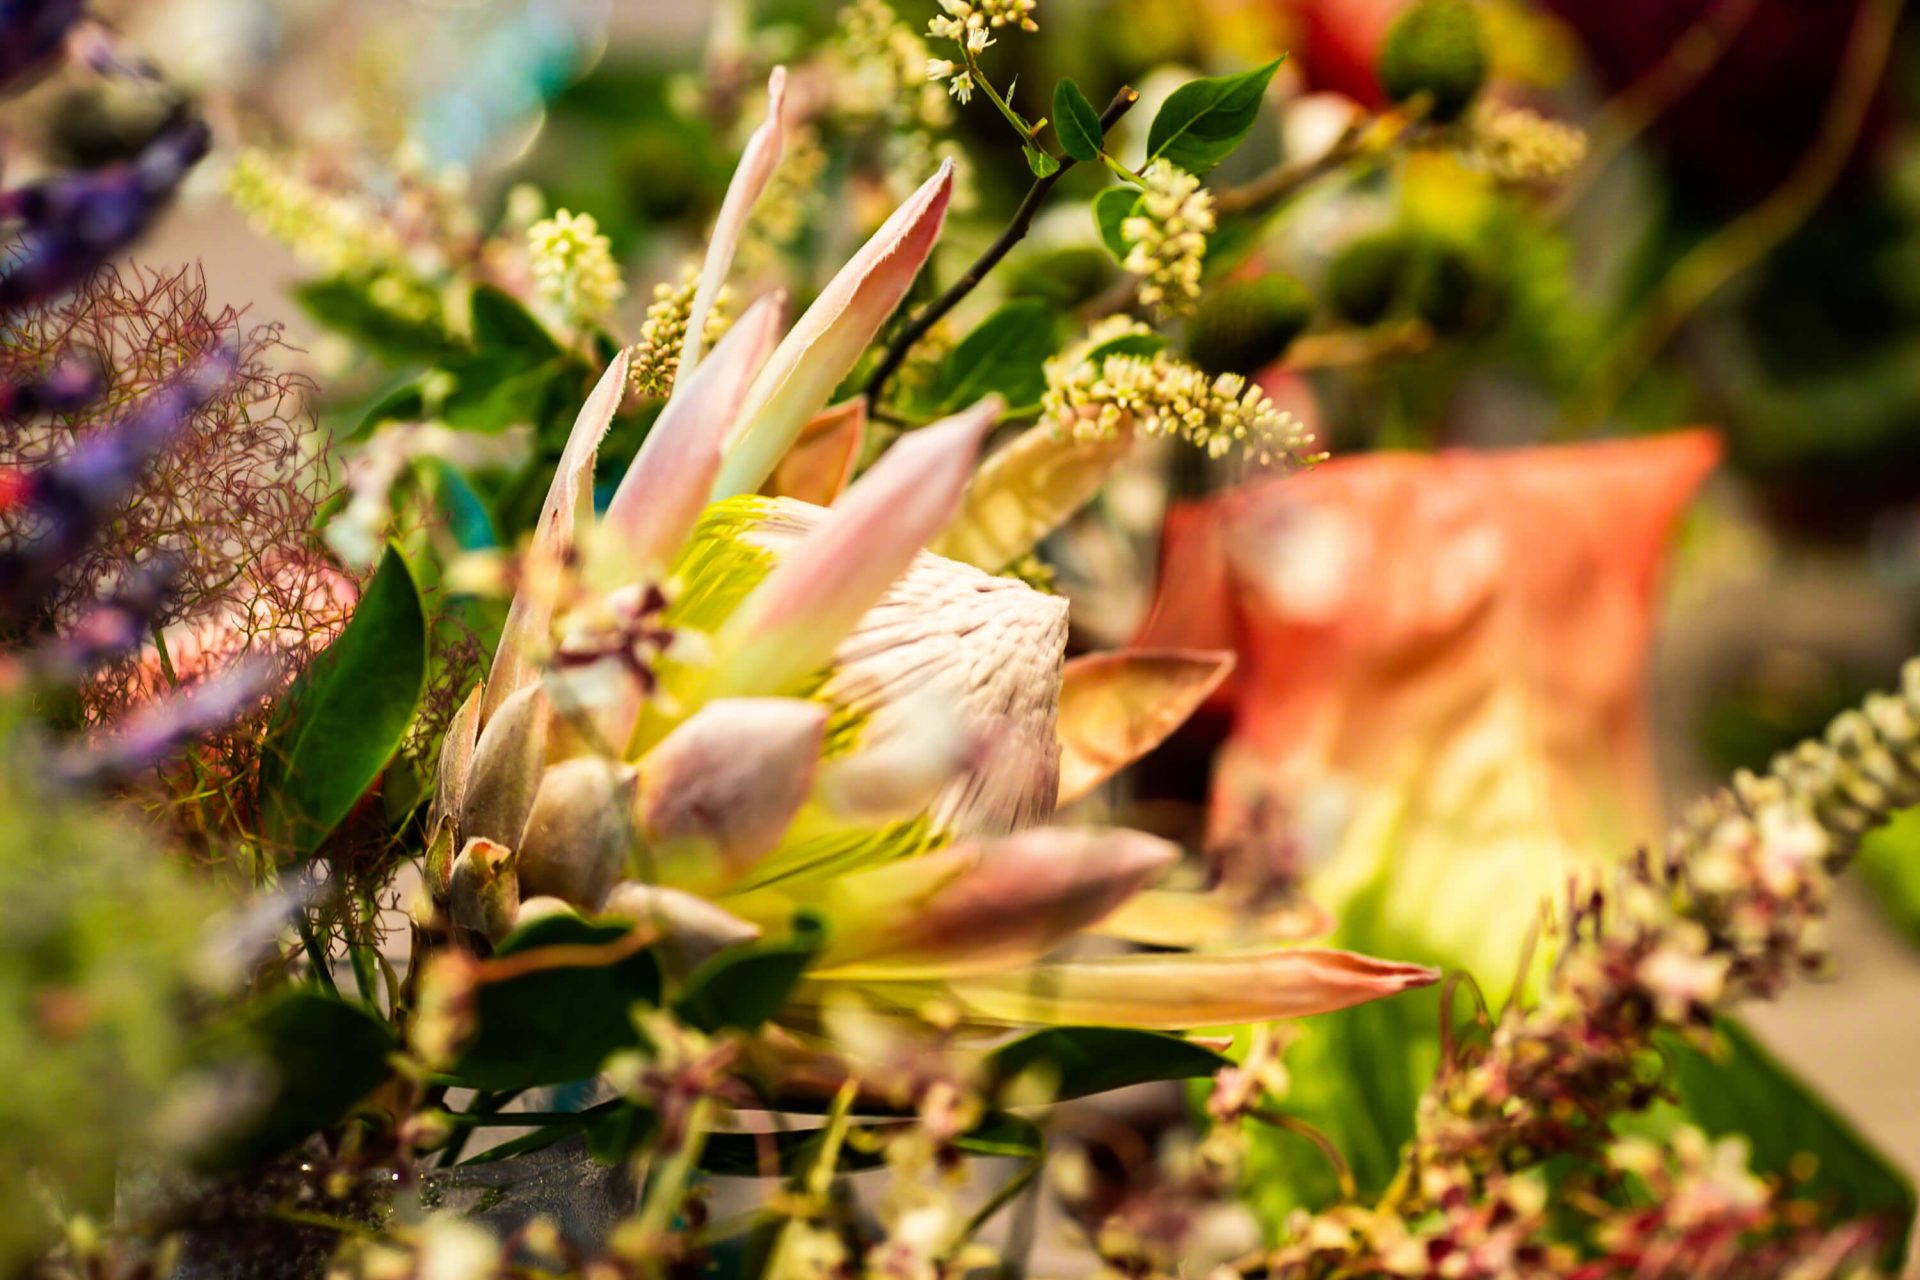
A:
(1016, 231)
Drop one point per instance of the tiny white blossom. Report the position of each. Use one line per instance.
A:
(939, 68)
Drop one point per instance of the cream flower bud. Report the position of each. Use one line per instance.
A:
(506, 768)
(485, 889)
(579, 831)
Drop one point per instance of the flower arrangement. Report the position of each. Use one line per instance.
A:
(766, 680)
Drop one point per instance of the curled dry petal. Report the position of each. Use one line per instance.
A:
(820, 463)
(728, 781)
(1116, 707)
(690, 927)
(568, 503)
(665, 488)
(1026, 490)
(580, 830)
(1175, 992)
(986, 906)
(507, 763)
(829, 339)
(757, 163)
(788, 627)
(485, 890)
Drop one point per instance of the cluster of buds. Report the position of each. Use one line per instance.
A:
(1100, 397)
(656, 358)
(881, 73)
(1167, 238)
(330, 231)
(573, 266)
(968, 24)
(1518, 145)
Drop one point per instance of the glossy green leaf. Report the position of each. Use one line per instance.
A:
(346, 306)
(1202, 121)
(1143, 345)
(1111, 208)
(1042, 164)
(557, 1024)
(1741, 1088)
(492, 393)
(319, 1056)
(1007, 353)
(341, 722)
(791, 1152)
(405, 403)
(743, 986)
(468, 517)
(1077, 123)
(501, 324)
(1073, 1062)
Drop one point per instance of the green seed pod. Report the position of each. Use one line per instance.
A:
(1435, 48)
(485, 889)
(1366, 277)
(579, 831)
(1245, 326)
(1444, 289)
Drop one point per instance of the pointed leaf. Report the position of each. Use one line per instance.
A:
(1075, 1062)
(1077, 123)
(660, 498)
(344, 718)
(1116, 707)
(744, 986)
(750, 178)
(531, 614)
(788, 626)
(1202, 121)
(1028, 488)
(1111, 208)
(830, 338)
(984, 906)
(1176, 992)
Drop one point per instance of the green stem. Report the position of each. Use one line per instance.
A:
(669, 1189)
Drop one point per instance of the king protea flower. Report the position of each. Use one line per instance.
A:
(719, 703)
(1442, 673)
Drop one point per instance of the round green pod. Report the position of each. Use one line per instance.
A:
(1435, 48)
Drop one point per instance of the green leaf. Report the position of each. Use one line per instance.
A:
(1741, 1088)
(1042, 164)
(405, 403)
(558, 1024)
(1077, 1061)
(320, 1056)
(791, 1152)
(744, 986)
(1007, 353)
(1144, 345)
(468, 517)
(501, 324)
(345, 305)
(1111, 208)
(343, 719)
(1077, 123)
(1202, 121)
(492, 393)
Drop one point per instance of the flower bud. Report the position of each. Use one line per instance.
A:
(485, 889)
(580, 830)
(691, 928)
(732, 775)
(507, 763)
